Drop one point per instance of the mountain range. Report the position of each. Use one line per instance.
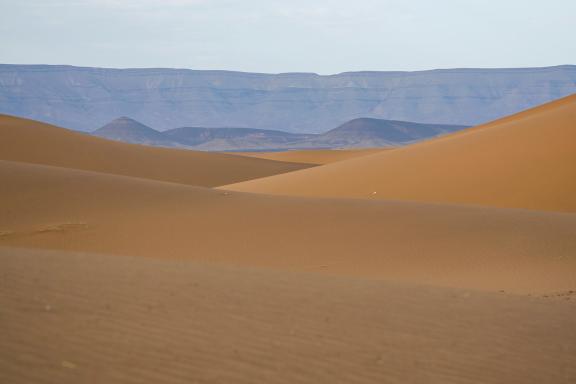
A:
(85, 98)
(357, 133)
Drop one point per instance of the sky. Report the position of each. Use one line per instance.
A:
(273, 36)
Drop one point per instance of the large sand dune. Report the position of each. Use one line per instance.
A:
(522, 161)
(85, 318)
(34, 142)
(485, 248)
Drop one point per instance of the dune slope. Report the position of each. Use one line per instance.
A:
(523, 161)
(34, 142)
(313, 156)
(485, 248)
(89, 318)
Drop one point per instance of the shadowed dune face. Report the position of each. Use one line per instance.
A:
(34, 142)
(84, 318)
(486, 248)
(522, 161)
(314, 156)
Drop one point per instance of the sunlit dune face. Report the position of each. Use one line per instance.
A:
(523, 161)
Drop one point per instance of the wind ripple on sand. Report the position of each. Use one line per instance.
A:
(86, 318)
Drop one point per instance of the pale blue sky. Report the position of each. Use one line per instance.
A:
(323, 36)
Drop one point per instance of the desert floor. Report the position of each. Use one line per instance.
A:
(447, 261)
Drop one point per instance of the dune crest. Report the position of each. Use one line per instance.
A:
(35, 142)
(521, 161)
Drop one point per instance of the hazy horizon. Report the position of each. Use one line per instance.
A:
(299, 72)
(326, 37)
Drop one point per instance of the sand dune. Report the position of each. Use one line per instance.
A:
(313, 156)
(119, 265)
(85, 318)
(485, 248)
(523, 161)
(34, 142)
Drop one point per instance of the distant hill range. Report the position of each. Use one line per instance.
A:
(224, 139)
(83, 98)
(358, 133)
(366, 132)
(131, 131)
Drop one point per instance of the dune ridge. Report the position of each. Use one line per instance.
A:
(35, 142)
(521, 161)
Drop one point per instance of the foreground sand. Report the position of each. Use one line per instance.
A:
(84, 318)
(486, 248)
(314, 156)
(34, 142)
(522, 161)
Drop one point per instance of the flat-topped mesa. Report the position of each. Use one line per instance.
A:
(296, 102)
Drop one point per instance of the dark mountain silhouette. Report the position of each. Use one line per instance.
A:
(232, 138)
(131, 131)
(366, 132)
(363, 132)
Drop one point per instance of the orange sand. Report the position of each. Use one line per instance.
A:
(34, 142)
(523, 161)
(314, 156)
